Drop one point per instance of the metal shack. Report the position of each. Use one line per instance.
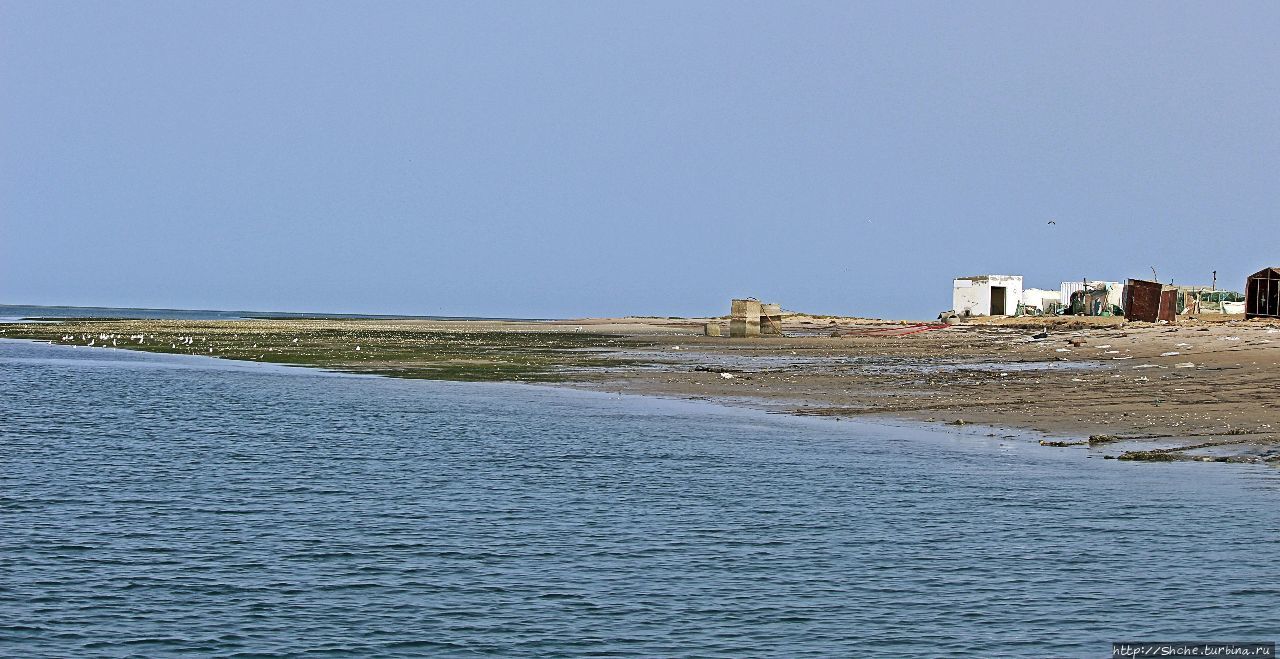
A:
(986, 295)
(1149, 301)
(1262, 294)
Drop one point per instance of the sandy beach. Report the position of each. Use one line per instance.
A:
(1201, 389)
(1133, 388)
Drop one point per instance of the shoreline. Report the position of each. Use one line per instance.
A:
(1199, 390)
(724, 406)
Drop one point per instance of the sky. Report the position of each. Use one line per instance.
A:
(568, 159)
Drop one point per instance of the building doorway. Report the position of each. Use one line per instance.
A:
(997, 301)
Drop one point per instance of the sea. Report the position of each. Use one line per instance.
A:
(162, 505)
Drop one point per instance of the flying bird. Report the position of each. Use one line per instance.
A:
(1052, 222)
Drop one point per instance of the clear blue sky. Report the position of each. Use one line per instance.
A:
(589, 158)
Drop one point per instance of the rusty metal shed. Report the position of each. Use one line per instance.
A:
(1142, 300)
(1148, 301)
(1169, 305)
(1262, 294)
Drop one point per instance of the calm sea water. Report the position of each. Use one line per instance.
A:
(155, 505)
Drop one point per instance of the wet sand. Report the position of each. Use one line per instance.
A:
(1141, 391)
(1135, 388)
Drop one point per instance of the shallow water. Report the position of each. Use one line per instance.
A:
(158, 504)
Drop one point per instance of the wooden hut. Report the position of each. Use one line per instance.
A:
(1262, 294)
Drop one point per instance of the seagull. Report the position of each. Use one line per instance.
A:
(1052, 222)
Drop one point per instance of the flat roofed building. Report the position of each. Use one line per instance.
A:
(986, 295)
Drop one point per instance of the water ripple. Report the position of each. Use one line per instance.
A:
(152, 507)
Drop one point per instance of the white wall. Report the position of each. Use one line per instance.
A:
(1069, 287)
(972, 296)
(1038, 297)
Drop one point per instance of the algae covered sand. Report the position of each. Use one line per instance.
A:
(475, 351)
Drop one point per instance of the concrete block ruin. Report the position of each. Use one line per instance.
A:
(711, 329)
(749, 317)
(744, 318)
(770, 319)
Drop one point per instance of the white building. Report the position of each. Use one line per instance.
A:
(986, 295)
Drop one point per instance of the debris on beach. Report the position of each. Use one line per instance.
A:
(1150, 456)
(1046, 442)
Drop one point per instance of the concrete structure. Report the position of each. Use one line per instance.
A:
(744, 318)
(771, 319)
(986, 295)
(1038, 300)
(749, 317)
(711, 329)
